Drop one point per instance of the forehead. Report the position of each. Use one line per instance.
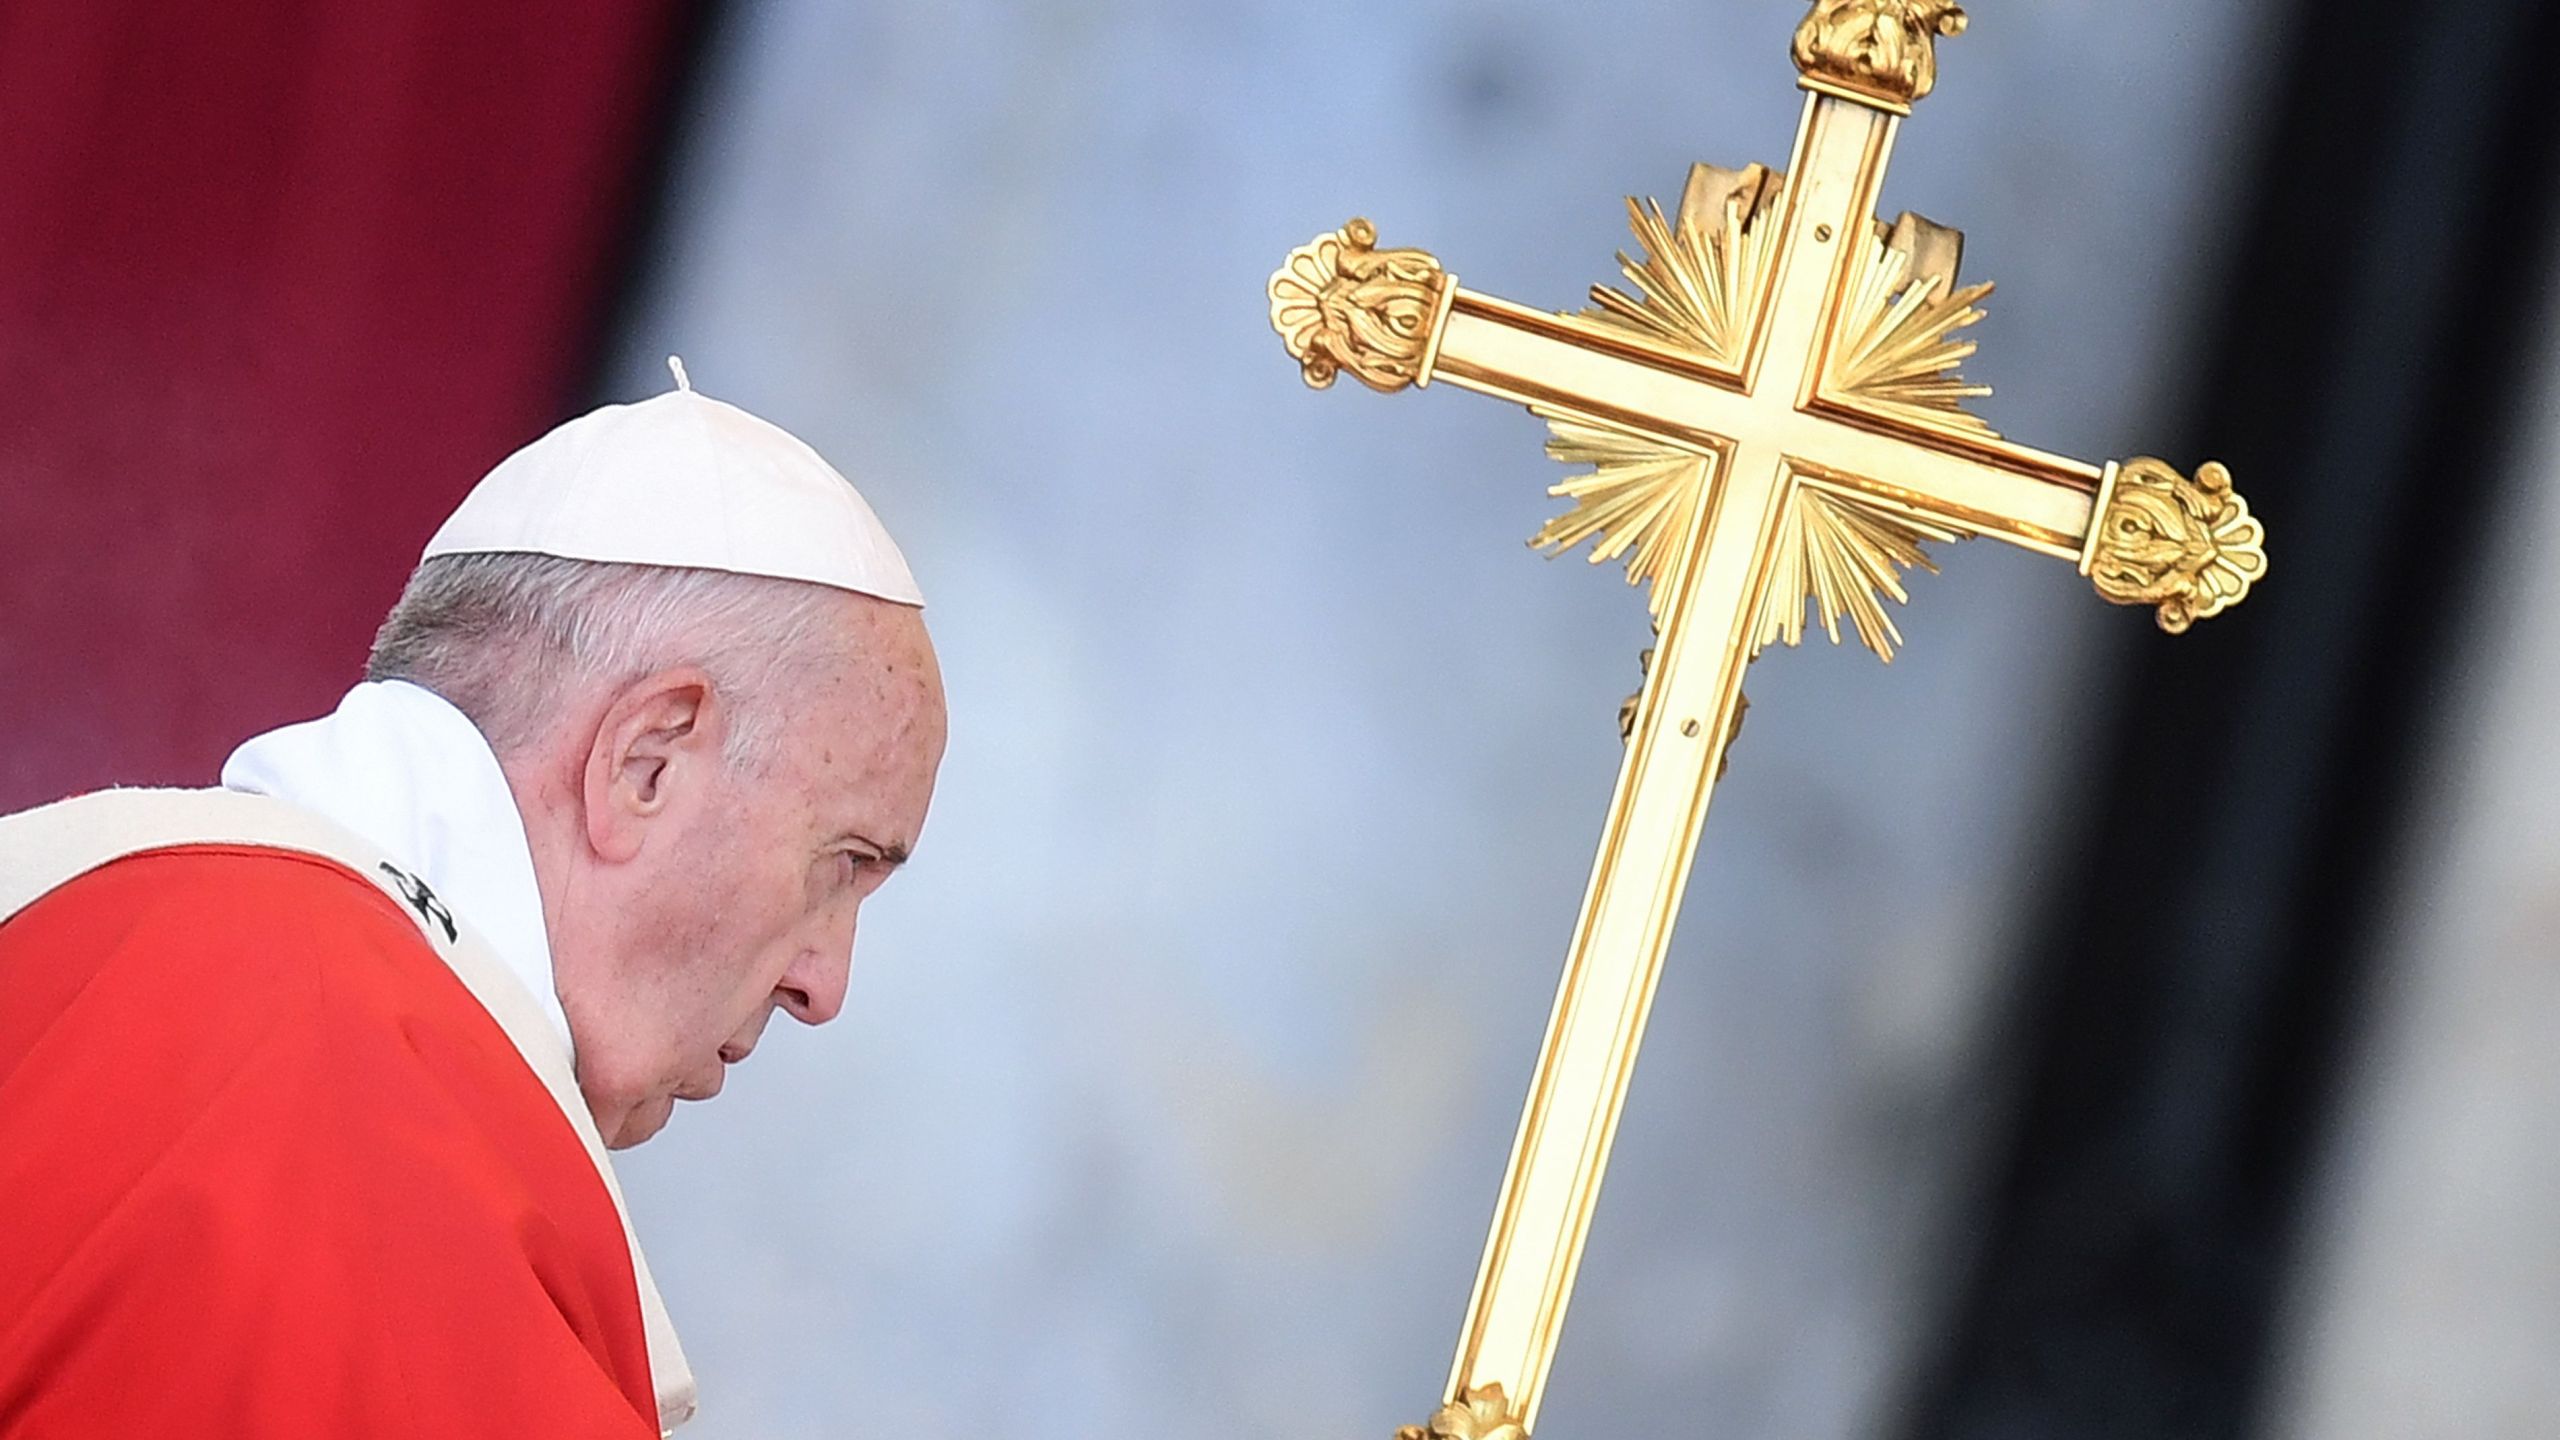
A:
(867, 721)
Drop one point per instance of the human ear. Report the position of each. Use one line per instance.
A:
(657, 742)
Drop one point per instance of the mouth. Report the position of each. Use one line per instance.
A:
(711, 1081)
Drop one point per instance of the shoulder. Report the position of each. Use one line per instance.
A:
(153, 983)
(167, 971)
(279, 902)
(201, 947)
(230, 1073)
(217, 980)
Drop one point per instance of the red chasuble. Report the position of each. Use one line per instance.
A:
(268, 1169)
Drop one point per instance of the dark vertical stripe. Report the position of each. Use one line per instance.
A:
(2213, 914)
(684, 94)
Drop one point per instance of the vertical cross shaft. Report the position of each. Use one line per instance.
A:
(1683, 720)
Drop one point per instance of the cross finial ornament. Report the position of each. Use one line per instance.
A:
(1881, 51)
(1773, 418)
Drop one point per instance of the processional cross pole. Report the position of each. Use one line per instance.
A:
(1772, 416)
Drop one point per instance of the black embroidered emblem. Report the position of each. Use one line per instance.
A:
(422, 899)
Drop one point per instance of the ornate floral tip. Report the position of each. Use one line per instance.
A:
(2190, 547)
(1483, 1413)
(1886, 50)
(1342, 304)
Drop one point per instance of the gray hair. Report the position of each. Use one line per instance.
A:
(511, 639)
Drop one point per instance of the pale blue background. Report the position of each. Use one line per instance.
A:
(1179, 1072)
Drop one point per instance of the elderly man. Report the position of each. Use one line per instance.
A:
(306, 1082)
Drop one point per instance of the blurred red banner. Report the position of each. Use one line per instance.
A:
(278, 282)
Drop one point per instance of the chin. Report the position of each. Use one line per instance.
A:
(641, 1122)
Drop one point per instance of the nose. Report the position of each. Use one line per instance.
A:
(813, 988)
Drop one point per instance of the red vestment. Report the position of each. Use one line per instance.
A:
(267, 1169)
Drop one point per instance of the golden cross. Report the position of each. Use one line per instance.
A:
(1772, 416)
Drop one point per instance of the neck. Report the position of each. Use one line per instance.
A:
(546, 796)
(402, 767)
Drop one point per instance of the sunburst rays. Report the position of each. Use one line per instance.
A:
(1701, 274)
(1841, 555)
(1845, 556)
(1899, 354)
(1697, 282)
(1696, 289)
(1639, 500)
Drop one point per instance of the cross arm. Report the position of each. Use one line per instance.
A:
(1565, 365)
(2143, 532)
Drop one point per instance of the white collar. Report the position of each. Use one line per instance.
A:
(401, 767)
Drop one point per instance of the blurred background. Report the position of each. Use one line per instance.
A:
(2072, 1032)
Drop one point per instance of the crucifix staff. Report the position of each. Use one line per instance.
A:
(1773, 419)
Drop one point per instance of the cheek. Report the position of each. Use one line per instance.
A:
(710, 918)
(766, 925)
(733, 913)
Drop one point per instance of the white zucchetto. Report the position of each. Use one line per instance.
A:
(681, 479)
